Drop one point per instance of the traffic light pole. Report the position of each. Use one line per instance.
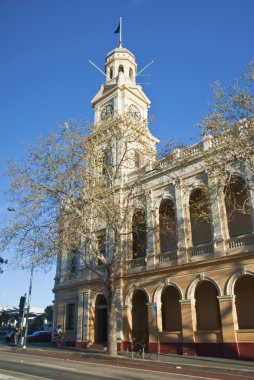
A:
(28, 304)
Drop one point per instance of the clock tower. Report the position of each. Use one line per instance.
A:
(120, 94)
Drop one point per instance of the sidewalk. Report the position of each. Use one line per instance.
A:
(228, 366)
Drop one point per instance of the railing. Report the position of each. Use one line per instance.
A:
(201, 250)
(187, 153)
(241, 241)
(139, 262)
(191, 151)
(216, 141)
(171, 159)
(167, 256)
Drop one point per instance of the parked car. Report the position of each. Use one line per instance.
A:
(9, 336)
(39, 336)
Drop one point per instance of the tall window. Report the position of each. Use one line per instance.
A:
(200, 217)
(139, 233)
(102, 245)
(70, 316)
(168, 230)
(111, 72)
(74, 261)
(238, 207)
(121, 69)
(106, 162)
(131, 73)
(137, 159)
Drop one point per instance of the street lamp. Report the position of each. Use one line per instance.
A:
(23, 343)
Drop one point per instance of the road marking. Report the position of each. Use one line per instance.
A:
(120, 367)
(53, 366)
(27, 376)
(158, 371)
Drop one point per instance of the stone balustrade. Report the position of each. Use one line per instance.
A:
(167, 257)
(241, 241)
(201, 250)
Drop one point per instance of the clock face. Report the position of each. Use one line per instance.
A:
(134, 111)
(107, 112)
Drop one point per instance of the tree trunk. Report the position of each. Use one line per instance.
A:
(112, 318)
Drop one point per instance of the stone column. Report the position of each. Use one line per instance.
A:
(150, 230)
(55, 313)
(219, 218)
(182, 221)
(228, 325)
(58, 270)
(250, 191)
(188, 326)
(86, 320)
(127, 325)
(152, 323)
(64, 265)
(80, 317)
(119, 306)
(159, 316)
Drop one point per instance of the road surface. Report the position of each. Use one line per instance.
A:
(16, 366)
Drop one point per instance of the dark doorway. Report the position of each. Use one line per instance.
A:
(140, 330)
(101, 320)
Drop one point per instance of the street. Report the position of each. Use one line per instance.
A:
(15, 366)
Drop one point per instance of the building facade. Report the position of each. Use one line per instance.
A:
(188, 287)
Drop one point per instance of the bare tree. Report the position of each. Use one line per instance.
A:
(70, 196)
(230, 128)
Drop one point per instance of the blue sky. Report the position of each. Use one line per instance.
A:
(45, 77)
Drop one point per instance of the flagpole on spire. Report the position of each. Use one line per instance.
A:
(120, 36)
(119, 30)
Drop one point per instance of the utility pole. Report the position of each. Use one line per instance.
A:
(28, 304)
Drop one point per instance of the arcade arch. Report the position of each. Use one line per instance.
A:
(101, 319)
(244, 301)
(207, 306)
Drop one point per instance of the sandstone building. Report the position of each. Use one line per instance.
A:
(187, 289)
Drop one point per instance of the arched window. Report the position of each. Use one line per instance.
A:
(200, 217)
(111, 72)
(131, 73)
(171, 310)
(207, 307)
(238, 207)
(168, 230)
(102, 245)
(137, 159)
(106, 162)
(244, 301)
(139, 233)
(120, 69)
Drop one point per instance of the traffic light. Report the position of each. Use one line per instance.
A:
(22, 305)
